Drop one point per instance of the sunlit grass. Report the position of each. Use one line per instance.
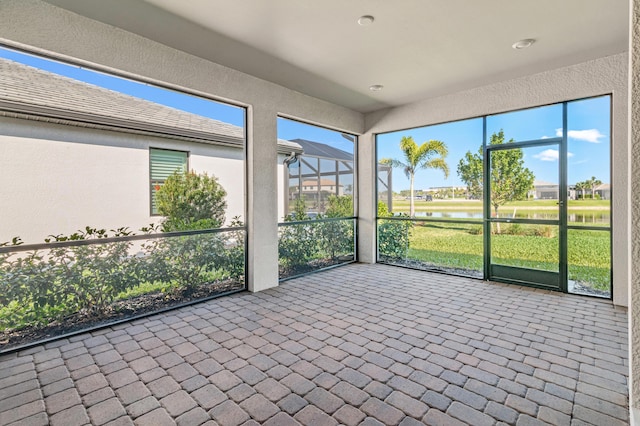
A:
(460, 247)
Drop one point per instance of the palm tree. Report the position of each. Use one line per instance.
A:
(579, 189)
(429, 155)
(593, 183)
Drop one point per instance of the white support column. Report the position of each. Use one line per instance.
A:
(367, 209)
(634, 284)
(262, 256)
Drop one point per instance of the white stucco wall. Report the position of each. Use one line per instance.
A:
(57, 179)
(598, 77)
(634, 289)
(42, 28)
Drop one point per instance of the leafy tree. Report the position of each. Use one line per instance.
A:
(429, 155)
(470, 171)
(510, 180)
(191, 201)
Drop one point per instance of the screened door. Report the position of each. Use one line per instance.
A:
(525, 241)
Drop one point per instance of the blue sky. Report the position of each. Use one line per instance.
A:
(589, 142)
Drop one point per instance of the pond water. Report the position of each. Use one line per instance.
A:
(595, 217)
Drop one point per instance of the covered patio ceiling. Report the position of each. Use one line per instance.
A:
(416, 49)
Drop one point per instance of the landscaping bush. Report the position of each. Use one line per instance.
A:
(393, 235)
(63, 280)
(191, 201)
(475, 230)
(336, 237)
(41, 286)
(297, 244)
(45, 285)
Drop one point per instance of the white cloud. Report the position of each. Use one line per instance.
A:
(579, 162)
(545, 137)
(590, 135)
(550, 155)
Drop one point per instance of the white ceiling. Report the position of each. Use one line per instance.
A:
(415, 48)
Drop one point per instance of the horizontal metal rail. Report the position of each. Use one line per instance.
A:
(311, 221)
(427, 219)
(497, 220)
(139, 237)
(553, 222)
(524, 144)
(589, 228)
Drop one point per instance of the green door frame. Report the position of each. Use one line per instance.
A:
(524, 276)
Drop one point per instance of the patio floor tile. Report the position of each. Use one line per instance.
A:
(360, 344)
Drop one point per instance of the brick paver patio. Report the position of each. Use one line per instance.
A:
(360, 344)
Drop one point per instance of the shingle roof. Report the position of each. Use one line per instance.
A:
(317, 149)
(32, 91)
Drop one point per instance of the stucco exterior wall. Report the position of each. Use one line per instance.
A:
(634, 289)
(42, 28)
(57, 179)
(598, 77)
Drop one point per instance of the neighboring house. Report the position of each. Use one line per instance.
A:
(322, 170)
(325, 186)
(604, 191)
(545, 190)
(74, 155)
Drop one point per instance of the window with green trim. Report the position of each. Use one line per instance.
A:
(162, 164)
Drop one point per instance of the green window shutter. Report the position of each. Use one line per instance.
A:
(163, 163)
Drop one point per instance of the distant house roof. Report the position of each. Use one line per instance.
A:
(321, 150)
(323, 182)
(543, 183)
(32, 93)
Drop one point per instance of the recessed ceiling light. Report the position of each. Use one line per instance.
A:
(523, 44)
(366, 20)
(376, 87)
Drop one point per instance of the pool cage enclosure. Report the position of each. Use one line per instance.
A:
(316, 174)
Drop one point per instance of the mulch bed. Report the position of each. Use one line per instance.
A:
(315, 265)
(425, 266)
(120, 310)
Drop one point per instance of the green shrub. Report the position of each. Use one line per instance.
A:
(340, 206)
(475, 230)
(63, 280)
(393, 235)
(186, 261)
(545, 231)
(515, 229)
(232, 261)
(335, 238)
(41, 286)
(191, 201)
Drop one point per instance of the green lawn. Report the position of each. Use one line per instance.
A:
(460, 247)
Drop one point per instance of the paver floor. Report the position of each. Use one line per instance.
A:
(360, 344)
